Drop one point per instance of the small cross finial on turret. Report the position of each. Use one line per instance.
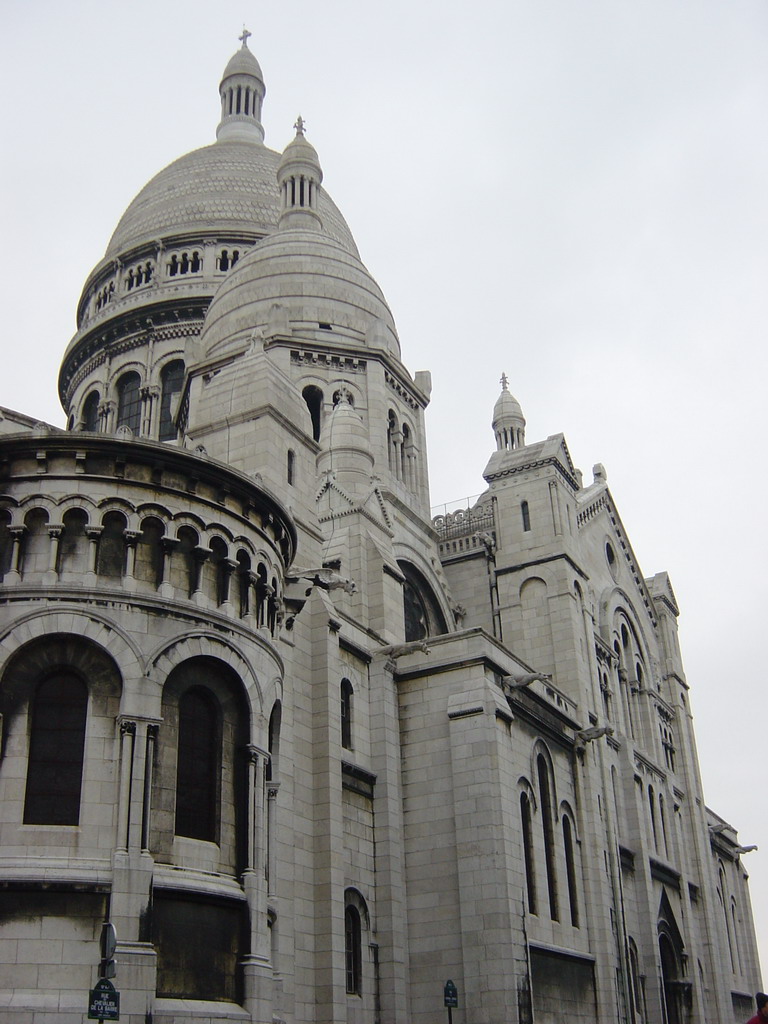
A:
(245, 36)
(299, 126)
(504, 381)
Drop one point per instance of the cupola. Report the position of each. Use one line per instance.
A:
(299, 176)
(345, 448)
(508, 420)
(242, 93)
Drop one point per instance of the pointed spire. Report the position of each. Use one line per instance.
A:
(299, 175)
(242, 93)
(508, 420)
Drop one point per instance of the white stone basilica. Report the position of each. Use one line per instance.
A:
(310, 751)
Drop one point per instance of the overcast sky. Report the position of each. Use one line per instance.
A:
(571, 192)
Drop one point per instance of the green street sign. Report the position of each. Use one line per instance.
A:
(104, 1001)
(450, 995)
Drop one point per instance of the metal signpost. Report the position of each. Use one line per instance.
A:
(103, 1000)
(450, 998)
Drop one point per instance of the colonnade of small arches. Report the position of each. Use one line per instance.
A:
(550, 845)
(147, 410)
(163, 266)
(145, 552)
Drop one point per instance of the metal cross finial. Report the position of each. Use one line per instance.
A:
(504, 381)
(299, 126)
(245, 36)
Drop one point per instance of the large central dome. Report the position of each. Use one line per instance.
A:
(223, 187)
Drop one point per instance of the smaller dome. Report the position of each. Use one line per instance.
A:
(508, 422)
(243, 62)
(322, 288)
(299, 151)
(346, 449)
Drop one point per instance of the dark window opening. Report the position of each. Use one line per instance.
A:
(170, 383)
(353, 950)
(313, 397)
(91, 412)
(56, 749)
(525, 513)
(129, 402)
(198, 765)
(530, 877)
(570, 869)
(549, 838)
(346, 714)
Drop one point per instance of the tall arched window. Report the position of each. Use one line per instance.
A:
(346, 714)
(129, 402)
(73, 544)
(56, 749)
(149, 552)
(91, 412)
(111, 555)
(198, 768)
(171, 380)
(545, 801)
(421, 612)
(530, 876)
(570, 869)
(526, 516)
(353, 950)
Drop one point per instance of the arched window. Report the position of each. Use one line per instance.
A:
(570, 870)
(129, 402)
(185, 565)
(217, 571)
(73, 543)
(91, 412)
(346, 714)
(171, 379)
(421, 612)
(149, 553)
(530, 876)
(313, 397)
(652, 809)
(290, 466)
(545, 801)
(663, 821)
(526, 516)
(111, 556)
(198, 768)
(56, 749)
(37, 541)
(244, 581)
(353, 950)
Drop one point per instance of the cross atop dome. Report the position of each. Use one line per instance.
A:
(300, 125)
(504, 382)
(245, 37)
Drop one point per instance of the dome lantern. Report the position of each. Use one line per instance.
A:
(508, 420)
(242, 93)
(299, 175)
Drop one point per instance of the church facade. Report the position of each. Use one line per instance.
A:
(313, 754)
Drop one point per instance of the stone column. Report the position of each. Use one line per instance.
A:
(93, 533)
(127, 747)
(17, 533)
